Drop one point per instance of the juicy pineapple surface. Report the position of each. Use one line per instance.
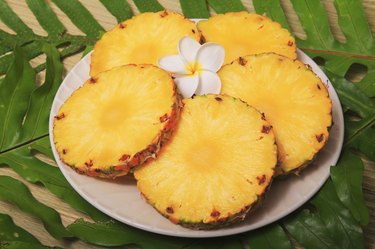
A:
(218, 164)
(242, 33)
(293, 99)
(143, 39)
(117, 120)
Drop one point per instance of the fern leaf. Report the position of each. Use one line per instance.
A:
(273, 10)
(45, 16)
(15, 92)
(33, 170)
(80, 16)
(148, 6)
(35, 122)
(317, 29)
(194, 9)
(347, 179)
(10, 18)
(17, 193)
(115, 234)
(223, 6)
(119, 8)
(12, 232)
(354, 25)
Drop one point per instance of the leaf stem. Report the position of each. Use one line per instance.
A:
(23, 144)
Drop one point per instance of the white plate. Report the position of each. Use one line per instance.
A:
(121, 200)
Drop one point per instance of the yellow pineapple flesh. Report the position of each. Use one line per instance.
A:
(117, 120)
(143, 39)
(242, 33)
(293, 99)
(217, 166)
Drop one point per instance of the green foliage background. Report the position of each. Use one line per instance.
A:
(333, 218)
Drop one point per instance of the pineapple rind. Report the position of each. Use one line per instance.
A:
(154, 179)
(129, 43)
(151, 152)
(226, 221)
(141, 157)
(280, 172)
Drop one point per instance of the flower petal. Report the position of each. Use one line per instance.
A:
(209, 82)
(210, 56)
(173, 64)
(187, 84)
(188, 48)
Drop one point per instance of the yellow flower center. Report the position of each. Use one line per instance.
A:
(194, 67)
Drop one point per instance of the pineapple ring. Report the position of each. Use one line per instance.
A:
(117, 120)
(242, 33)
(143, 39)
(294, 100)
(216, 167)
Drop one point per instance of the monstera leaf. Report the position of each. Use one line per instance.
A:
(333, 218)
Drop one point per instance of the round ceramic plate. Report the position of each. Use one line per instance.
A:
(121, 200)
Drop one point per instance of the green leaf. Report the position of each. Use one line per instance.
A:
(15, 92)
(16, 192)
(341, 226)
(148, 6)
(354, 25)
(80, 16)
(33, 170)
(12, 232)
(347, 179)
(115, 234)
(223, 6)
(338, 57)
(233, 242)
(316, 29)
(87, 50)
(367, 84)
(308, 229)
(119, 8)
(10, 19)
(7, 41)
(272, 8)
(351, 96)
(46, 17)
(356, 129)
(21, 245)
(269, 237)
(41, 145)
(30, 50)
(364, 138)
(194, 9)
(36, 119)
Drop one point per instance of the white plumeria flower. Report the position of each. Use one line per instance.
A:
(195, 67)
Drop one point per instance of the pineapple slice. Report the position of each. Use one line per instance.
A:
(117, 120)
(141, 40)
(293, 99)
(242, 33)
(216, 167)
